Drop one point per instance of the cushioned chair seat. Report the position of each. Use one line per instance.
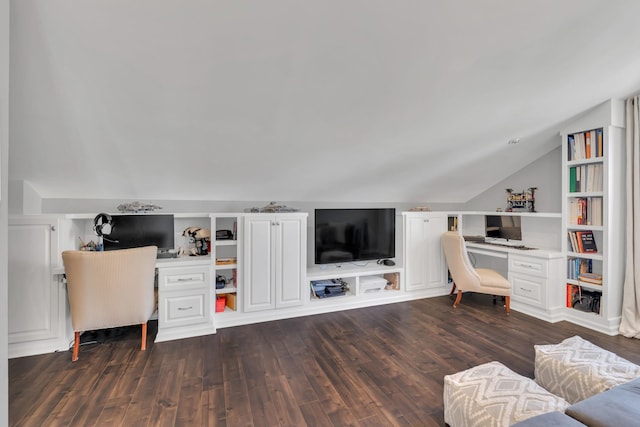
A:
(492, 279)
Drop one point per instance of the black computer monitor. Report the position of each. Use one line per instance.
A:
(134, 231)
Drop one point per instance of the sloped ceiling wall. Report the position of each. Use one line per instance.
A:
(352, 101)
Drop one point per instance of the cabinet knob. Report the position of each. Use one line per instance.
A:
(53, 228)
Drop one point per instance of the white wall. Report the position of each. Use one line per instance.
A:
(4, 177)
(544, 173)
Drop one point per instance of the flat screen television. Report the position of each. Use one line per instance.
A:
(134, 231)
(505, 227)
(349, 235)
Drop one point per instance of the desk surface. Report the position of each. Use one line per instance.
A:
(487, 247)
(182, 261)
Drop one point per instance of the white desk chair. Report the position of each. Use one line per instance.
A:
(466, 277)
(110, 289)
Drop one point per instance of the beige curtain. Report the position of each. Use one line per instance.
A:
(630, 324)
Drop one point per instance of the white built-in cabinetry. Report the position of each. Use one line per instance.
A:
(184, 299)
(533, 279)
(424, 261)
(274, 261)
(37, 308)
(597, 206)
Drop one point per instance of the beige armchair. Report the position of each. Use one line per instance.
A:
(466, 277)
(110, 289)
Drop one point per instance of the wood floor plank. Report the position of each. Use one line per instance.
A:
(238, 407)
(167, 393)
(263, 411)
(214, 411)
(380, 365)
(285, 402)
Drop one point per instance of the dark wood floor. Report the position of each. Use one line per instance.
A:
(378, 366)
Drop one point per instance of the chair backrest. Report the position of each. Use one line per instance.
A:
(455, 251)
(110, 289)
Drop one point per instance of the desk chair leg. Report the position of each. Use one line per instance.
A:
(76, 346)
(507, 304)
(458, 298)
(144, 336)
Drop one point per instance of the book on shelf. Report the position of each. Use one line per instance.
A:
(571, 292)
(599, 142)
(585, 178)
(590, 278)
(585, 211)
(582, 241)
(577, 267)
(226, 261)
(586, 241)
(585, 145)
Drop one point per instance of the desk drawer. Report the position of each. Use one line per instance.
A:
(528, 265)
(179, 310)
(180, 278)
(528, 289)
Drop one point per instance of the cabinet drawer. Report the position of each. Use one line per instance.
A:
(528, 289)
(528, 265)
(179, 310)
(179, 278)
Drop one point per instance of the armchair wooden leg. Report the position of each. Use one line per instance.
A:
(453, 288)
(458, 298)
(144, 336)
(76, 346)
(507, 304)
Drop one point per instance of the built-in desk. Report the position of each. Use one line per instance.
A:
(501, 251)
(185, 297)
(535, 276)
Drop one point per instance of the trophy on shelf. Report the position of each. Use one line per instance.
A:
(524, 201)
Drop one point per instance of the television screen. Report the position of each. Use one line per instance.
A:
(133, 231)
(503, 227)
(344, 235)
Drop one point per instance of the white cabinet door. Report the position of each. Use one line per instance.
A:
(259, 292)
(290, 270)
(423, 251)
(37, 299)
(274, 261)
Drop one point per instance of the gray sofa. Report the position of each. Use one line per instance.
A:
(617, 407)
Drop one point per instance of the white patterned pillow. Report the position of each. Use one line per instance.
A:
(493, 395)
(576, 369)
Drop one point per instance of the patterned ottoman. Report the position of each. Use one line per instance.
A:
(576, 369)
(493, 395)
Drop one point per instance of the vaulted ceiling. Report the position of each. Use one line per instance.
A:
(332, 100)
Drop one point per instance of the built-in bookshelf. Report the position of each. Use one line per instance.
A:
(593, 220)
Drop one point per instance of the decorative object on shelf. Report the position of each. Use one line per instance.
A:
(200, 238)
(91, 246)
(137, 207)
(272, 208)
(420, 209)
(524, 201)
(393, 281)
